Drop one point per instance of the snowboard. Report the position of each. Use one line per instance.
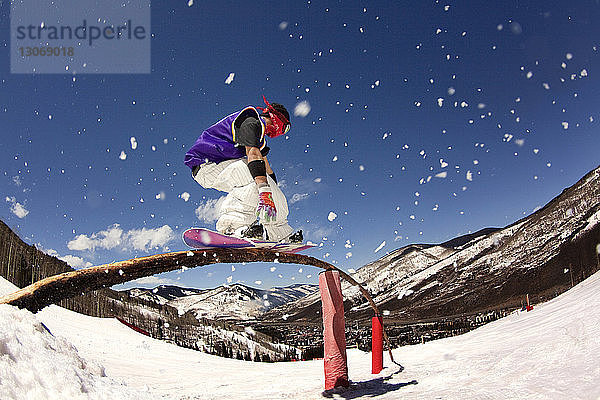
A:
(201, 238)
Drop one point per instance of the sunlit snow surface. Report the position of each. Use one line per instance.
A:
(549, 353)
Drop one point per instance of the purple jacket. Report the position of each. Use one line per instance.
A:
(217, 143)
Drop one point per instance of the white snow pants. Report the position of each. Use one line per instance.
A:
(238, 210)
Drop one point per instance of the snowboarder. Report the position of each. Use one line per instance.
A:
(230, 156)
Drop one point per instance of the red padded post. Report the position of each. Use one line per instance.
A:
(334, 335)
(376, 344)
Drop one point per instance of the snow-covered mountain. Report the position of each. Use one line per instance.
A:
(163, 294)
(231, 302)
(541, 255)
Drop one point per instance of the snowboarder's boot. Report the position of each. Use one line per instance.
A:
(255, 231)
(296, 237)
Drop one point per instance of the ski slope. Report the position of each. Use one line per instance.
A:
(549, 353)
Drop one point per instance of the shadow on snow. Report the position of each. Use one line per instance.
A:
(371, 388)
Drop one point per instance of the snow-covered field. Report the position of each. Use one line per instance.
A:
(549, 353)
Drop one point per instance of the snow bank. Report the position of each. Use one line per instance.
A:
(6, 287)
(548, 353)
(34, 364)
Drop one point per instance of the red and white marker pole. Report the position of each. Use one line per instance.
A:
(334, 330)
(376, 344)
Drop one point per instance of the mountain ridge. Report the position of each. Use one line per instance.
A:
(542, 255)
(235, 301)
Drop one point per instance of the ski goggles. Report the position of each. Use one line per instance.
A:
(280, 122)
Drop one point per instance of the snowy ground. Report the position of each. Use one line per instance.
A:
(549, 353)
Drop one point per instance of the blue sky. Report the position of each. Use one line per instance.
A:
(427, 120)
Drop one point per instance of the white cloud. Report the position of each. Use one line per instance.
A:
(302, 109)
(147, 239)
(107, 239)
(73, 261)
(50, 252)
(82, 242)
(17, 208)
(151, 282)
(139, 239)
(283, 25)
(209, 210)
